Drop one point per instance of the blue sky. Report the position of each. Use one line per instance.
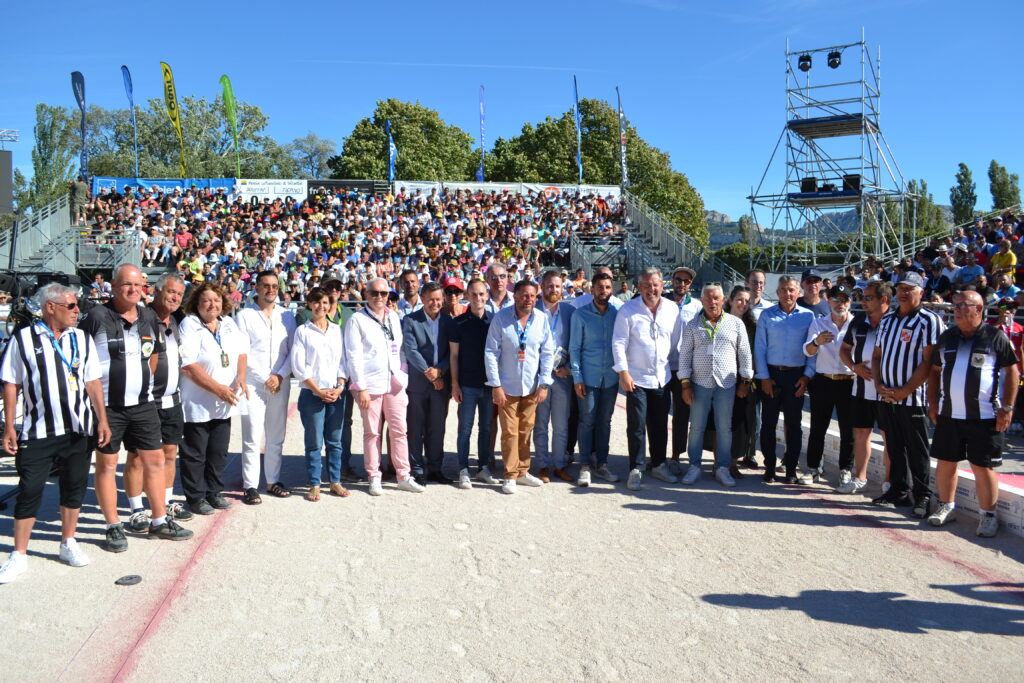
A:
(702, 81)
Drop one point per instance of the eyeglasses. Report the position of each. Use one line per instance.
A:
(963, 306)
(655, 330)
(71, 307)
(682, 279)
(378, 292)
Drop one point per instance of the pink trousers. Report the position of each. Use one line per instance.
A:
(393, 405)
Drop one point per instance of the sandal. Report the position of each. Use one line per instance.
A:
(338, 490)
(313, 494)
(278, 490)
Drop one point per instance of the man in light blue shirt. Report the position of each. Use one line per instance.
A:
(551, 429)
(518, 357)
(784, 372)
(595, 381)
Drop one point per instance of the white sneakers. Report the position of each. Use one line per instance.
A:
(855, 485)
(845, 476)
(72, 554)
(583, 480)
(375, 487)
(692, 475)
(509, 486)
(663, 473)
(724, 477)
(810, 477)
(15, 566)
(464, 481)
(988, 525)
(530, 480)
(635, 477)
(946, 512)
(484, 476)
(409, 484)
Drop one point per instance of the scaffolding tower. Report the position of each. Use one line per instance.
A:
(843, 197)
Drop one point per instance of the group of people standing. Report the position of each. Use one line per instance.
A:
(166, 377)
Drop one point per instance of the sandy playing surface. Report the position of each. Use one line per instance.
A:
(559, 583)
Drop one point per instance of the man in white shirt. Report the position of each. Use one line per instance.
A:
(373, 344)
(645, 334)
(270, 328)
(410, 301)
(497, 283)
(831, 385)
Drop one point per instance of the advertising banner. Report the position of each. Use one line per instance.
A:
(269, 188)
(165, 185)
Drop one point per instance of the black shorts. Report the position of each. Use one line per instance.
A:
(172, 424)
(68, 454)
(863, 413)
(977, 441)
(138, 427)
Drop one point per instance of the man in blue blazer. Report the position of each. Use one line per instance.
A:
(425, 342)
(553, 413)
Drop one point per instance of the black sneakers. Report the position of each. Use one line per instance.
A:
(219, 502)
(116, 541)
(201, 508)
(170, 531)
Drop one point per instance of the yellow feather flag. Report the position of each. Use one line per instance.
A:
(171, 100)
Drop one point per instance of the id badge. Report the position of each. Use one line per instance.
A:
(73, 382)
(394, 349)
(521, 356)
(224, 360)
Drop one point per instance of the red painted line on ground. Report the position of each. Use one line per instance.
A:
(900, 537)
(130, 658)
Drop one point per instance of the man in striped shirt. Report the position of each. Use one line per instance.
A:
(169, 290)
(129, 343)
(972, 414)
(856, 351)
(55, 367)
(901, 360)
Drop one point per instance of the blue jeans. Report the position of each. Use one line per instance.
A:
(321, 422)
(595, 428)
(554, 409)
(346, 430)
(722, 400)
(475, 400)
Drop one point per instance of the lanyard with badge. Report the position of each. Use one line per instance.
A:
(71, 364)
(224, 360)
(522, 331)
(386, 329)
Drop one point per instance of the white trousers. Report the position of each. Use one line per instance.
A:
(267, 417)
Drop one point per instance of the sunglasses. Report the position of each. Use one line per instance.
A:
(378, 292)
(70, 307)
(681, 279)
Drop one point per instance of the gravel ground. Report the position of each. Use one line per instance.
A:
(559, 583)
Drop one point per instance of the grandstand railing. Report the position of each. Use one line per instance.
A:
(676, 247)
(588, 251)
(41, 243)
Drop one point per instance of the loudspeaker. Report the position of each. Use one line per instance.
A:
(809, 184)
(47, 278)
(852, 182)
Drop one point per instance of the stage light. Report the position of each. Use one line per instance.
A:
(804, 63)
(834, 59)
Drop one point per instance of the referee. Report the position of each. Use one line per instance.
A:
(904, 345)
(973, 414)
(129, 342)
(56, 369)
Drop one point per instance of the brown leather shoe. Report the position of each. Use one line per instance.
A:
(562, 474)
(543, 475)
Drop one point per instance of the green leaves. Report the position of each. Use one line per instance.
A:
(963, 195)
(1005, 186)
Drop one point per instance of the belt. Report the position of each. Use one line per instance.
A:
(838, 377)
(786, 367)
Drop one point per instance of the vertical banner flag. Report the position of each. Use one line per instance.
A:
(622, 141)
(392, 152)
(229, 107)
(171, 101)
(480, 171)
(78, 86)
(579, 124)
(131, 107)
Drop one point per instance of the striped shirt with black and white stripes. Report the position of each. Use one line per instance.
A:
(128, 353)
(168, 366)
(969, 387)
(902, 340)
(861, 338)
(52, 407)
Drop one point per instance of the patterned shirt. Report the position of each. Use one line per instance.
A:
(713, 355)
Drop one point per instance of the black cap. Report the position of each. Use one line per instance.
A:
(811, 273)
(839, 290)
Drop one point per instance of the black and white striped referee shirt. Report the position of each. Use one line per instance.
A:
(969, 387)
(861, 338)
(52, 407)
(902, 340)
(168, 366)
(128, 353)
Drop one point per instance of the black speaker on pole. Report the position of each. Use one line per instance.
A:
(809, 184)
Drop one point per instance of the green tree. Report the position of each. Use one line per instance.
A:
(963, 196)
(311, 153)
(1005, 186)
(546, 152)
(428, 148)
(54, 155)
(747, 229)
(930, 219)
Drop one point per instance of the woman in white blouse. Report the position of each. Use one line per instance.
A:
(213, 355)
(318, 362)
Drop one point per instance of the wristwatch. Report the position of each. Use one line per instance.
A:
(1006, 409)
